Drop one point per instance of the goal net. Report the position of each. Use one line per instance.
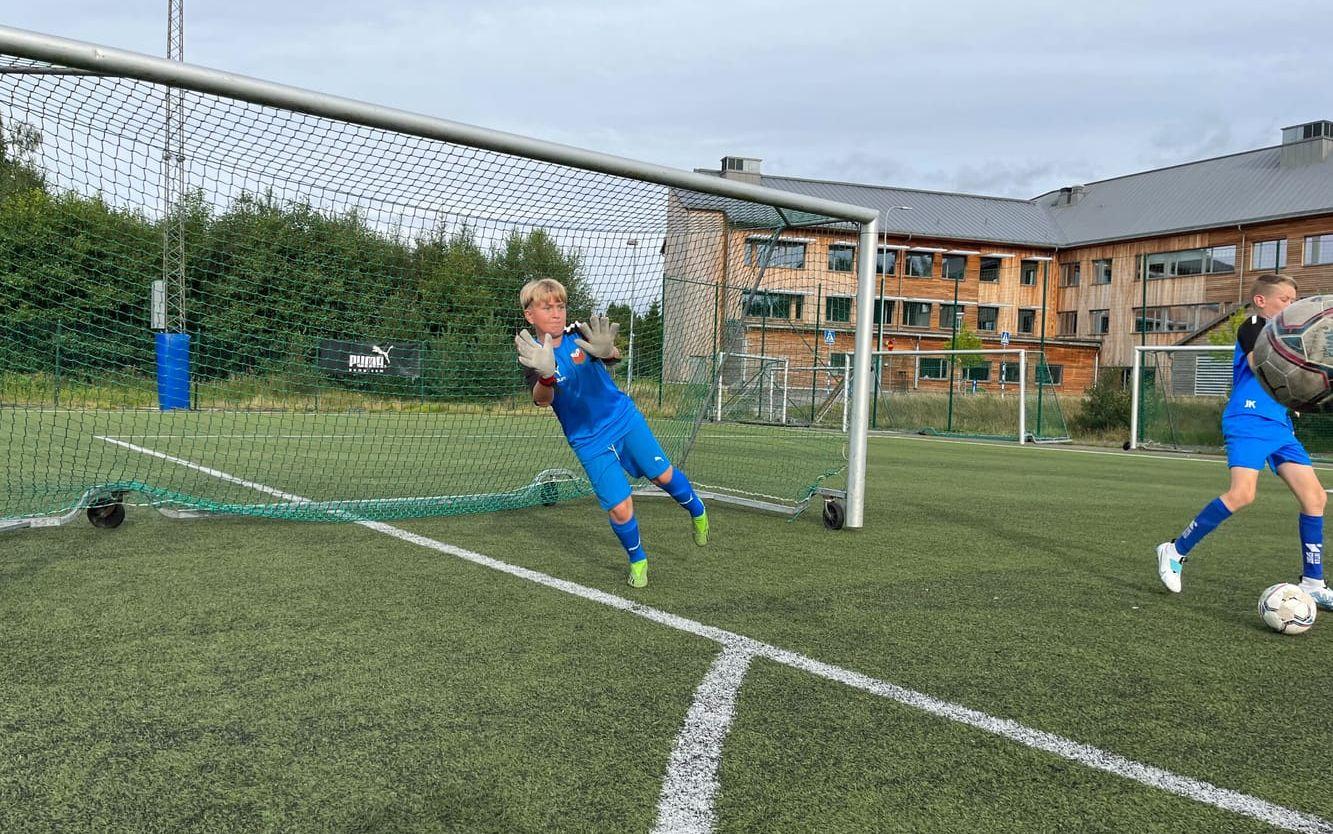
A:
(214, 302)
(1009, 394)
(1179, 397)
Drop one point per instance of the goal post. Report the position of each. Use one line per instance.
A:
(1002, 394)
(344, 347)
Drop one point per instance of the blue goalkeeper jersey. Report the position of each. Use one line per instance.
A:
(593, 412)
(1248, 397)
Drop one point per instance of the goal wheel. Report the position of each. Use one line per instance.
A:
(834, 514)
(108, 512)
(1125, 446)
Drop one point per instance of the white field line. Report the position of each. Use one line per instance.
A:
(691, 783)
(1087, 755)
(367, 435)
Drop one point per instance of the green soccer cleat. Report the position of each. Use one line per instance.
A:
(701, 529)
(638, 574)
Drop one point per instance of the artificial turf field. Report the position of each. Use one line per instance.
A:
(246, 674)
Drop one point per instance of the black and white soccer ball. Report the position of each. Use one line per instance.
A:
(1287, 609)
(1294, 355)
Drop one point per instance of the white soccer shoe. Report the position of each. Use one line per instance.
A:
(1323, 595)
(1168, 566)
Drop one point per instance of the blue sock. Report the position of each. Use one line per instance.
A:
(1204, 523)
(680, 489)
(1312, 546)
(628, 533)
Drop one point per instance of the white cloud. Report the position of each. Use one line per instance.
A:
(1006, 98)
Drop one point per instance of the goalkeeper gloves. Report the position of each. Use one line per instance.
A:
(599, 337)
(540, 357)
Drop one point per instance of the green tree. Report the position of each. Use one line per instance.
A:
(19, 142)
(647, 339)
(1225, 333)
(966, 339)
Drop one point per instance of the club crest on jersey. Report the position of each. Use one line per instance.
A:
(578, 356)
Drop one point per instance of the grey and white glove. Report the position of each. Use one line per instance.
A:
(539, 356)
(599, 337)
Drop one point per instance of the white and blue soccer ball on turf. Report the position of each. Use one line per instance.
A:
(1287, 609)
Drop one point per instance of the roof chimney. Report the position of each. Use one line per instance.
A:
(1070, 195)
(743, 168)
(1307, 144)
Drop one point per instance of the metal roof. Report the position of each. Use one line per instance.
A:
(1241, 188)
(1246, 187)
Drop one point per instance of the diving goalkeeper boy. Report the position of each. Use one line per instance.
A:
(603, 426)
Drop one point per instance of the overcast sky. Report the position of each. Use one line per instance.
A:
(1008, 99)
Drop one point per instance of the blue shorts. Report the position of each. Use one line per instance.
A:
(1255, 441)
(637, 453)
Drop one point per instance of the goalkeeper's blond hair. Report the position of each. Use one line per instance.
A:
(540, 290)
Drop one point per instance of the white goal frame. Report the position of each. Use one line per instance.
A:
(781, 361)
(94, 58)
(1136, 378)
(1021, 353)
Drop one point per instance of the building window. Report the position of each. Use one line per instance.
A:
(955, 266)
(774, 305)
(1221, 259)
(1069, 274)
(1027, 321)
(988, 318)
(1099, 322)
(1050, 374)
(1027, 273)
(990, 269)
(1069, 323)
(1210, 261)
(1177, 318)
(1318, 250)
(784, 253)
(840, 258)
(1269, 254)
(1101, 271)
(979, 372)
(916, 313)
(886, 262)
(932, 368)
(884, 311)
(948, 313)
(920, 264)
(839, 362)
(1009, 370)
(838, 308)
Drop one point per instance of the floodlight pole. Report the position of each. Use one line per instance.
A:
(173, 178)
(632, 243)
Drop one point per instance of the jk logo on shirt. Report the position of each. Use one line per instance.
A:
(1251, 404)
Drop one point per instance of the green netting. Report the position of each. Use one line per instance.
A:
(1182, 394)
(974, 395)
(349, 295)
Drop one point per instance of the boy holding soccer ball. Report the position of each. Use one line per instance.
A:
(608, 434)
(1258, 430)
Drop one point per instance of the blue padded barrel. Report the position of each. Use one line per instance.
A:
(173, 370)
